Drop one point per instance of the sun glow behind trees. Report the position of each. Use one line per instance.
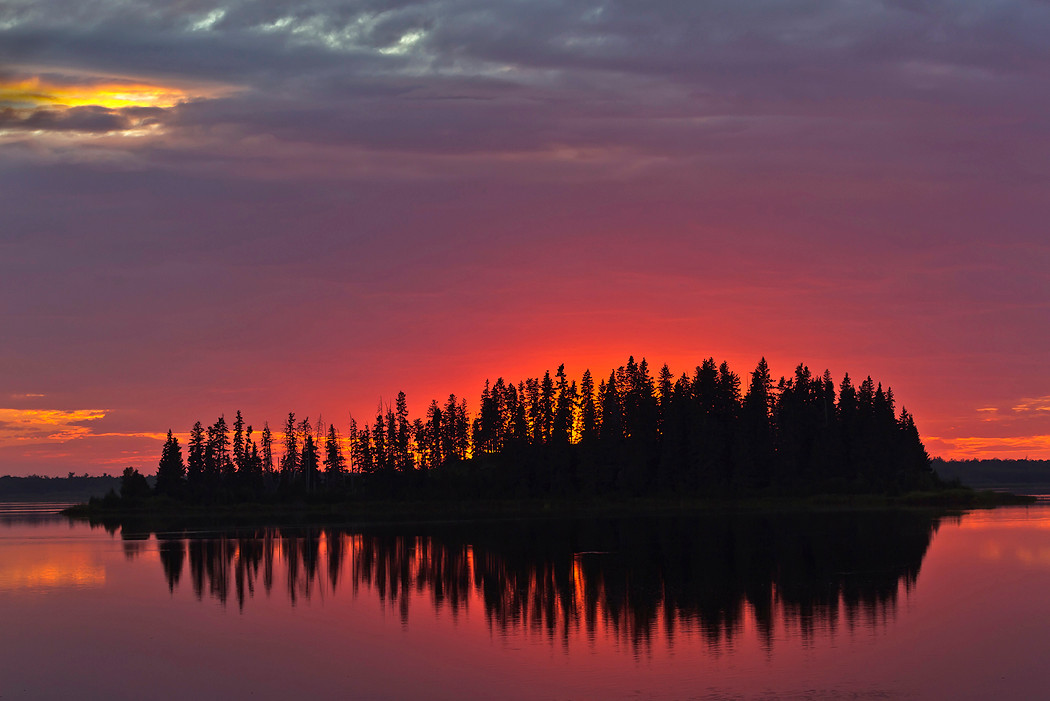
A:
(632, 434)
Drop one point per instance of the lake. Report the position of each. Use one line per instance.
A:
(827, 605)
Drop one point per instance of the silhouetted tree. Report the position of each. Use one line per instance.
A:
(610, 435)
(133, 486)
(546, 408)
(308, 460)
(704, 434)
(239, 443)
(561, 428)
(588, 411)
(641, 428)
(171, 472)
(195, 462)
(267, 449)
(544, 436)
(455, 433)
(365, 455)
(403, 460)
(290, 459)
(379, 443)
(429, 441)
(755, 445)
(218, 466)
(334, 462)
(665, 391)
(393, 456)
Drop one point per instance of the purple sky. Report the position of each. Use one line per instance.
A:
(307, 206)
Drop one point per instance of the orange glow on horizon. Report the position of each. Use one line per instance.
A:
(987, 447)
(85, 437)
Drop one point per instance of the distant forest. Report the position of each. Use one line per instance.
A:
(1020, 474)
(630, 434)
(70, 488)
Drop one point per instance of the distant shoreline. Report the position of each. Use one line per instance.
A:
(74, 488)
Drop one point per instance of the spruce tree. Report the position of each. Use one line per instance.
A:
(195, 466)
(561, 430)
(664, 389)
(484, 424)
(379, 443)
(239, 442)
(290, 459)
(218, 466)
(756, 431)
(267, 449)
(433, 455)
(308, 463)
(171, 472)
(404, 434)
(610, 434)
(334, 462)
(588, 411)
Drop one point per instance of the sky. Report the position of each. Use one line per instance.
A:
(307, 206)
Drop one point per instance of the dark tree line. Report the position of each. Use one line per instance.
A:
(1020, 473)
(632, 434)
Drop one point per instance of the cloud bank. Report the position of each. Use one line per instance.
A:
(197, 198)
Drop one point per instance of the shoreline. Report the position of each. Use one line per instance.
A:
(402, 511)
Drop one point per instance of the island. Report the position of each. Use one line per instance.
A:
(543, 443)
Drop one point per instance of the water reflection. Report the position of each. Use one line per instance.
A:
(628, 578)
(42, 564)
(50, 573)
(19, 513)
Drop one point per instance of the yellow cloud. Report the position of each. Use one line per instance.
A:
(72, 106)
(32, 425)
(33, 92)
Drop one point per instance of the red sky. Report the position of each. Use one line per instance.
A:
(282, 207)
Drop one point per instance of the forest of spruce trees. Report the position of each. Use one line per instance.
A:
(631, 435)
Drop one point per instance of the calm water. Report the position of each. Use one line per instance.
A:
(816, 606)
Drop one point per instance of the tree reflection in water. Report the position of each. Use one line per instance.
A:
(631, 578)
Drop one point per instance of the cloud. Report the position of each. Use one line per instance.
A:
(88, 119)
(792, 84)
(79, 103)
(1021, 409)
(965, 447)
(77, 90)
(41, 425)
(1032, 406)
(49, 436)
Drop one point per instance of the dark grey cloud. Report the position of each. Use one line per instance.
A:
(87, 118)
(653, 37)
(914, 86)
(713, 44)
(826, 88)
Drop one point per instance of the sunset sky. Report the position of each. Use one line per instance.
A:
(307, 206)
